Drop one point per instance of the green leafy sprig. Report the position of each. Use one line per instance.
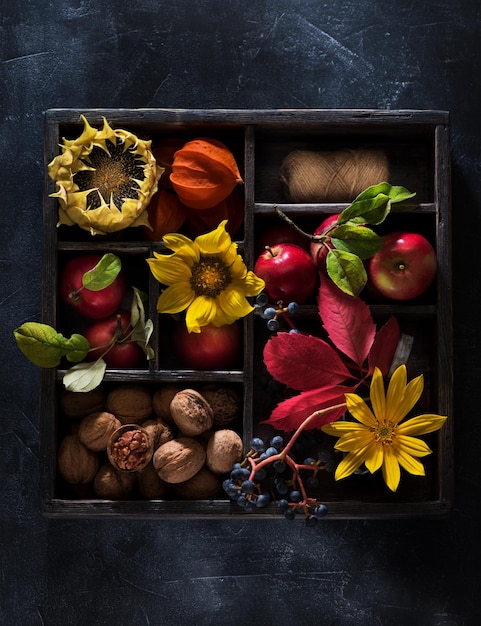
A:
(46, 347)
(351, 241)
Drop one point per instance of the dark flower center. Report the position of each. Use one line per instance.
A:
(210, 276)
(114, 175)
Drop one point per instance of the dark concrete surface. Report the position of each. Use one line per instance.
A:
(232, 54)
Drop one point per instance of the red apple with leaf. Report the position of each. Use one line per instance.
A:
(80, 290)
(111, 339)
(288, 272)
(404, 268)
(319, 250)
(214, 348)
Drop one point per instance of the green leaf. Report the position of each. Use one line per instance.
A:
(85, 376)
(103, 274)
(45, 347)
(347, 271)
(360, 240)
(373, 205)
(142, 330)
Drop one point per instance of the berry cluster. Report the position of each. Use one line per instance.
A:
(274, 314)
(269, 473)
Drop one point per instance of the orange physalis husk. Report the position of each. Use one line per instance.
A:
(166, 215)
(204, 173)
(230, 209)
(164, 151)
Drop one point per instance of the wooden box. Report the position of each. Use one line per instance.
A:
(417, 145)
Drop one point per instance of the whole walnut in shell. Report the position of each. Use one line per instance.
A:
(224, 448)
(76, 463)
(130, 403)
(162, 399)
(225, 402)
(95, 430)
(159, 431)
(191, 412)
(77, 405)
(205, 485)
(111, 484)
(179, 459)
(151, 484)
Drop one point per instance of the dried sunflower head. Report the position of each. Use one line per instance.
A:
(104, 179)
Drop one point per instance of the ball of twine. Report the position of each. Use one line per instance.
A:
(331, 176)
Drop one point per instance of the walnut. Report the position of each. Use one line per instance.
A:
(76, 463)
(151, 484)
(225, 402)
(191, 412)
(95, 430)
(162, 399)
(223, 450)
(205, 485)
(178, 460)
(130, 448)
(130, 403)
(77, 405)
(158, 430)
(110, 484)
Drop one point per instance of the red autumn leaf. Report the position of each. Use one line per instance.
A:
(384, 346)
(303, 362)
(347, 320)
(291, 413)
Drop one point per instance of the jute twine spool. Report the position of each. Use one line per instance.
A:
(335, 176)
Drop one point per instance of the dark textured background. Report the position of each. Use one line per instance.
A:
(232, 54)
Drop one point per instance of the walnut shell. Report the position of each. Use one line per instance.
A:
(111, 484)
(77, 405)
(76, 464)
(205, 485)
(95, 430)
(151, 484)
(191, 412)
(225, 402)
(159, 431)
(130, 403)
(162, 399)
(178, 460)
(223, 450)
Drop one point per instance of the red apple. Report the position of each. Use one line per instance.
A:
(404, 267)
(280, 233)
(124, 353)
(91, 304)
(318, 250)
(214, 348)
(288, 271)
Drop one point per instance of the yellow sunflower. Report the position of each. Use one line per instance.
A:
(104, 179)
(206, 277)
(378, 438)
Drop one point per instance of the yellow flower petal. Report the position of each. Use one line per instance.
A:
(176, 241)
(413, 391)
(253, 285)
(359, 409)
(410, 464)
(200, 313)
(390, 469)
(342, 426)
(412, 445)
(375, 458)
(354, 440)
(217, 241)
(377, 394)
(422, 424)
(233, 304)
(350, 463)
(175, 298)
(169, 269)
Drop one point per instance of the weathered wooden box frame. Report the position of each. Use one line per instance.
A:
(419, 144)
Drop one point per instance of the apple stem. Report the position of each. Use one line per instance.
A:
(285, 218)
